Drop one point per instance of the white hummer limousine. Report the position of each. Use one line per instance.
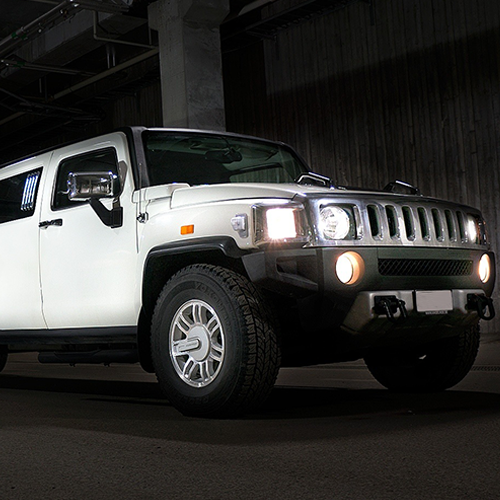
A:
(214, 258)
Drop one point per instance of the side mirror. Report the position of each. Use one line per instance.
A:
(92, 187)
(83, 186)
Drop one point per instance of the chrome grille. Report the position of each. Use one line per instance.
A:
(397, 220)
(427, 224)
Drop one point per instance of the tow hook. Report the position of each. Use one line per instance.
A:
(482, 305)
(390, 305)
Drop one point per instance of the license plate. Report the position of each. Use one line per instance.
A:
(434, 302)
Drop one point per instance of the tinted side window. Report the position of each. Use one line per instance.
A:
(104, 160)
(18, 195)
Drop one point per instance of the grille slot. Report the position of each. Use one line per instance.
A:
(450, 224)
(409, 226)
(438, 226)
(392, 219)
(424, 267)
(461, 225)
(424, 225)
(374, 221)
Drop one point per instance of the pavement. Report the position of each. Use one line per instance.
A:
(489, 350)
(327, 432)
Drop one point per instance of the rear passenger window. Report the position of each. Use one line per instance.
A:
(101, 161)
(18, 195)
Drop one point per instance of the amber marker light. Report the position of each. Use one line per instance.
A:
(484, 268)
(349, 268)
(187, 229)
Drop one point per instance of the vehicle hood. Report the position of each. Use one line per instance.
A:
(184, 195)
(228, 192)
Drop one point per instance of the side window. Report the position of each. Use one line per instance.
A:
(18, 195)
(104, 160)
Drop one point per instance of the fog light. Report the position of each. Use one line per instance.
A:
(484, 268)
(349, 268)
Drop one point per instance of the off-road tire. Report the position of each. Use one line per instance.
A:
(432, 367)
(251, 353)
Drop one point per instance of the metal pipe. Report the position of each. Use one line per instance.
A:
(105, 74)
(12, 117)
(43, 67)
(44, 106)
(20, 36)
(111, 7)
(53, 2)
(15, 96)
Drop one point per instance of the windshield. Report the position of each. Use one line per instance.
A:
(210, 159)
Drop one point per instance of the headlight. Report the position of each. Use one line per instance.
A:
(484, 268)
(472, 229)
(280, 223)
(349, 268)
(334, 223)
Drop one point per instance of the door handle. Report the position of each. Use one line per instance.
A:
(46, 223)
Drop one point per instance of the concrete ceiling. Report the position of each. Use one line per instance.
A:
(61, 61)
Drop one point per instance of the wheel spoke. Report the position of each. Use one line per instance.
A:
(189, 368)
(216, 356)
(213, 326)
(182, 323)
(197, 314)
(203, 372)
(216, 352)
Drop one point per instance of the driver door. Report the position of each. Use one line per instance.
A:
(87, 268)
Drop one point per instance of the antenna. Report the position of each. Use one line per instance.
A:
(143, 216)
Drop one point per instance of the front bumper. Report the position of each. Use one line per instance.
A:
(326, 304)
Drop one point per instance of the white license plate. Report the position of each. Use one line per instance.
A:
(434, 302)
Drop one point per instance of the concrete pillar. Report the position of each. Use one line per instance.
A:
(190, 61)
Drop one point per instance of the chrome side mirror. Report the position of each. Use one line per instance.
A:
(83, 186)
(92, 187)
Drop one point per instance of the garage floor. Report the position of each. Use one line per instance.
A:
(328, 432)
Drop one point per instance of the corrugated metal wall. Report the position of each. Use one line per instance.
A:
(411, 93)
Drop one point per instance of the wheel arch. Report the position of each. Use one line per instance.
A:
(164, 261)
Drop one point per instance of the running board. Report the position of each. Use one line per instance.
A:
(97, 357)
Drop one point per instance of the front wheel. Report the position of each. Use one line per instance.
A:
(431, 367)
(214, 349)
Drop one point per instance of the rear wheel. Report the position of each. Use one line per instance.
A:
(214, 349)
(431, 367)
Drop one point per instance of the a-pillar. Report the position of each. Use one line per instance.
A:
(190, 61)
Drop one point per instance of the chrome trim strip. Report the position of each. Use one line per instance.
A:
(28, 199)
